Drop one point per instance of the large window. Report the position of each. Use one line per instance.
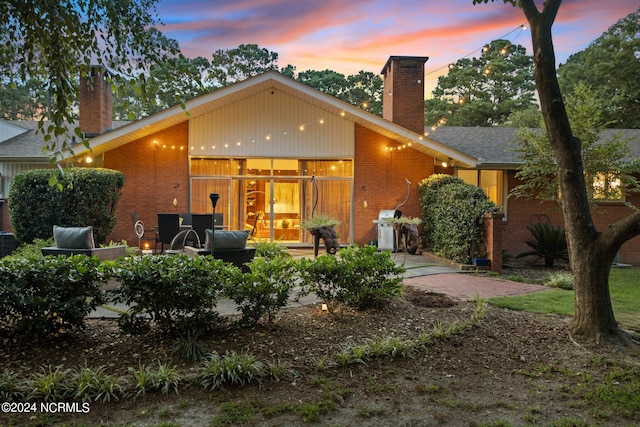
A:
(271, 197)
(491, 182)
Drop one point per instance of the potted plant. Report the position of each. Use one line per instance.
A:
(322, 226)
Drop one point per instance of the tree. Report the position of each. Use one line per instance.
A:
(50, 41)
(22, 101)
(484, 91)
(608, 165)
(327, 81)
(364, 90)
(611, 67)
(176, 79)
(591, 252)
(240, 63)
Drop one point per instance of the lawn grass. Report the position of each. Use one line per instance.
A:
(624, 288)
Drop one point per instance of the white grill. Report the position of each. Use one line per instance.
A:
(386, 233)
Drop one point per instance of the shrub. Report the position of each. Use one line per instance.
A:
(31, 250)
(265, 289)
(269, 250)
(50, 384)
(549, 242)
(358, 276)
(10, 386)
(175, 292)
(232, 369)
(452, 217)
(559, 279)
(48, 295)
(95, 385)
(82, 197)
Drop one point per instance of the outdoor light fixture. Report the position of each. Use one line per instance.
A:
(214, 201)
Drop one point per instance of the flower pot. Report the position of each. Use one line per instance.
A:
(480, 262)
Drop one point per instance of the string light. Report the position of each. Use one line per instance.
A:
(487, 71)
(484, 48)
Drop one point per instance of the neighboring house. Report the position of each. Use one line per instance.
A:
(278, 150)
(20, 150)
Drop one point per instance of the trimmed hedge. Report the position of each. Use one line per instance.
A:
(39, 297)
(81, 197)
(452, 213)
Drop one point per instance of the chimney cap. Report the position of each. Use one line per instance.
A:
(418, 59)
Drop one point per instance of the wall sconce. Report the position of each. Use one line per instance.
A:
(175, 202)
(364, 204)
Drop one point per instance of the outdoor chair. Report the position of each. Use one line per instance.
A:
(168, 228)
(181, 239)
(201, 222)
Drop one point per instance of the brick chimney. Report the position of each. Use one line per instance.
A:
(96, 102)
(403, 97)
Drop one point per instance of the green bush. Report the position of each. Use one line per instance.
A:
(82, 197)
(31, 250)
(452, 212)
(48, 295)
(549, 242)
(265, 289)
(175, 292)
(269, 250)
(559, 279)
(357, 276)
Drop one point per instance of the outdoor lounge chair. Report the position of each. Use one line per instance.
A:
(79, 241)
(229, 246)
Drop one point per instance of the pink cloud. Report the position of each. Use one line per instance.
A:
(349, 36)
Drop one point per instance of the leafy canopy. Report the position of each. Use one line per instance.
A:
(50, 41)
(604, 161)
(484, 91)
(611, 67)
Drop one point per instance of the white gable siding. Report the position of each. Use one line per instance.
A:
(8, 170)
(8, 131)
(271, 124)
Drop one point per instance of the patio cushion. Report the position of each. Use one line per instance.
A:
(73, 237)
(227, 239)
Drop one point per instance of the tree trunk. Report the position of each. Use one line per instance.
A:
(593, 318)
(590, 252)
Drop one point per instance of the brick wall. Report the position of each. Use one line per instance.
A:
(157, 172)
(96, 107)
(403, 93)
(522, 212)
(379, 179)
(5, 219)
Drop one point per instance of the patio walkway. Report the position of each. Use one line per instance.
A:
(421, 272)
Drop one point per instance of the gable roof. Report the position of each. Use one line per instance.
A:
(270, 79)
(494, 147)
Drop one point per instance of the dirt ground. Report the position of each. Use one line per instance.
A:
(513, 368)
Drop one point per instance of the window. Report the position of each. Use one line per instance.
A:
(491, 182)
(607, 187)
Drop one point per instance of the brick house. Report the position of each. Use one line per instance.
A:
(276, 149)
(273, 147)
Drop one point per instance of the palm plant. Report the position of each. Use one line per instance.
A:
(549, 242)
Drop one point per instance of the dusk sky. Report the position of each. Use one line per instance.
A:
(352, 35)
